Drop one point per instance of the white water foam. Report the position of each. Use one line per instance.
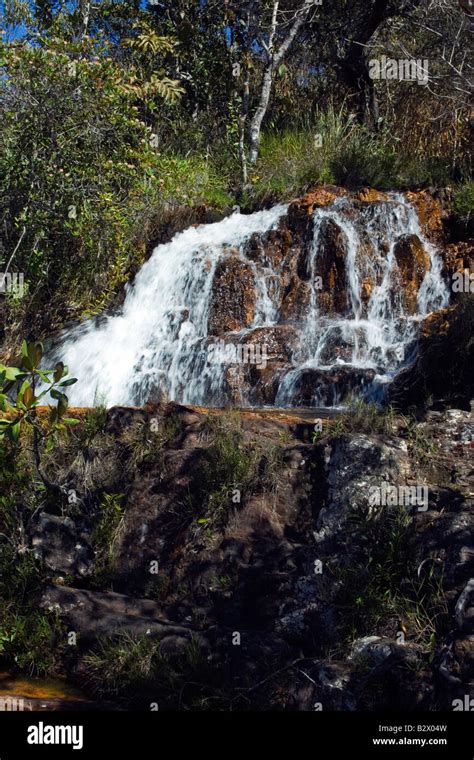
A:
(157, 344)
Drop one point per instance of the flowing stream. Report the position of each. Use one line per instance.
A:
(157, 345)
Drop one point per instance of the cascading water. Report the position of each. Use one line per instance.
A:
(381, 339)
(158, 345)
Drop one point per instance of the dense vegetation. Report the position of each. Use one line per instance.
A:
(116, 113)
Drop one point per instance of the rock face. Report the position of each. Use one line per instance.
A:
(303, 561)
(233, 300)
(61, 545)
(96, 613)
(413, 264)
(331, 267)
(314, 387)
(258, 380)
(444, 342)
(322, 272)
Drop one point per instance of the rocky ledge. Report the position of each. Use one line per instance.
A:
(262, 569)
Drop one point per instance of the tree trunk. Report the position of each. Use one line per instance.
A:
(85, 11)
(256, 123)
(274, 60)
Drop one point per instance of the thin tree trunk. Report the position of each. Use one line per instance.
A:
(274, 60)
(85, 11)
(242, 124)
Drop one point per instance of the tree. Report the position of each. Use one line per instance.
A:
(274, 58)
(262, 34)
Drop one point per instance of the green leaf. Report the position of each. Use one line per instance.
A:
(71, 381)
(35, 353)
(44, 375)
(28, 364)
(58, 372)
(15, 431)
(12, 373)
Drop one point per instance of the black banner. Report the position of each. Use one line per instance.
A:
(138, 734)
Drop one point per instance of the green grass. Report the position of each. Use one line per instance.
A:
(381, 581)
(463, 201)
(191, 181)
(106, 530)
(133, 670)
(360, 416)
(347, 154)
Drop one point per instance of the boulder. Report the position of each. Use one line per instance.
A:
(331, 267)
(317, 387)
(413, 264)
(106, 613)
(62, 545)
(233, 296)
(265, 352)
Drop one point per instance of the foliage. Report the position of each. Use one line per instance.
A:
(463, 201)
(106, 530)
(19, 396)
(383, 579)
(27, 637)
(133, 668)
(29, 641)
(77, 165)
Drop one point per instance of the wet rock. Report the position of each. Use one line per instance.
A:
(270, 249)
(265, 352)
(430, 213)
(331, 267)
(233, 296)
(413, 264)
(316, 387)
(295, 300)
(443, 342)
(62, 545)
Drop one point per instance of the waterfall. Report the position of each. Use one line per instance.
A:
(157, 346)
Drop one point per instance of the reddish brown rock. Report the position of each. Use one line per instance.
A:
(331, 267)
(258, 380)
(413, 264)
(369, 195)
(295, 299)
(367, 287)
(430, 213)
(233, 296)
(457, 257)
(271, 248)
(316, 198)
